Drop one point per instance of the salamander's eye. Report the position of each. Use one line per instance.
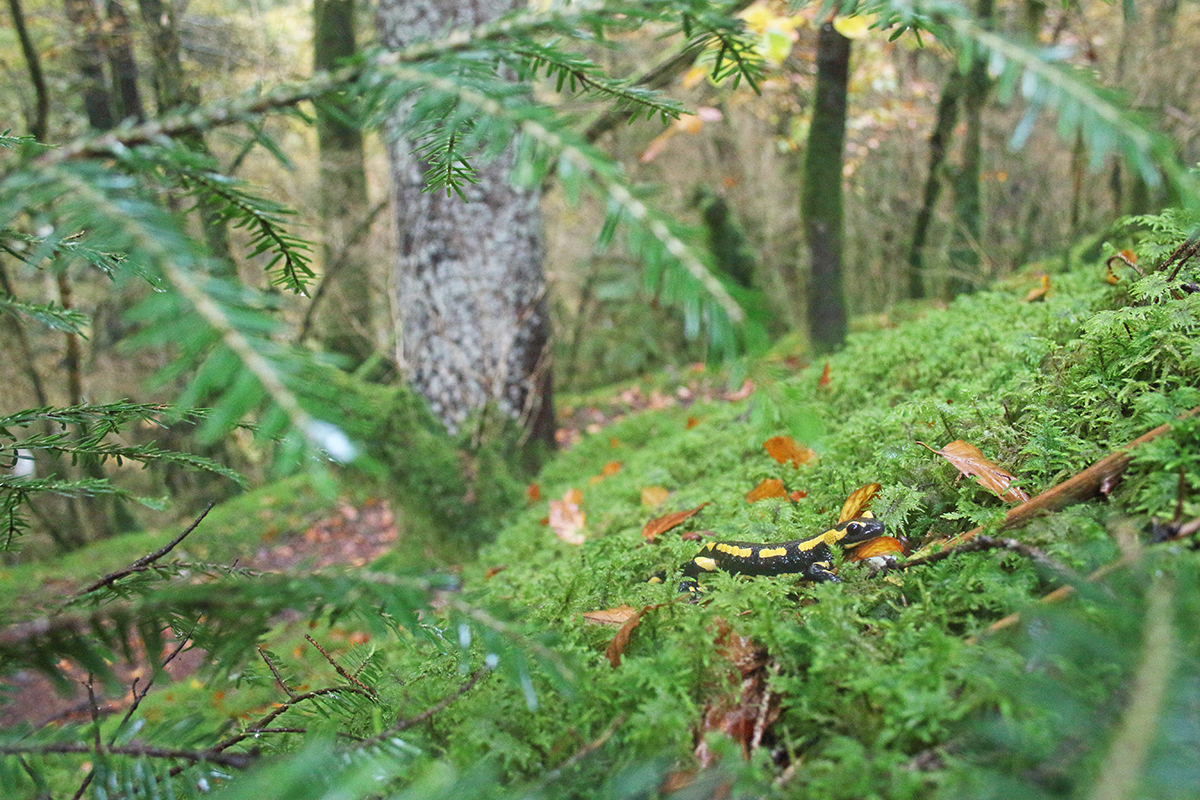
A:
(854, 528)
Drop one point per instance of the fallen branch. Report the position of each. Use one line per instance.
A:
(1084, 486)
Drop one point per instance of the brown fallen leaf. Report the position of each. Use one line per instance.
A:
(825, 378)
(616, 648)
(611, 468)
(882, 546)
(1039, 292)
(691, 423)
(784, 449)
(654, 496)
(858, 501)
(770, 487)
(969, 461)
(611, 616)
(533, 492)
(566, 519)
(493, 571)
(799, 494)
(657, 527)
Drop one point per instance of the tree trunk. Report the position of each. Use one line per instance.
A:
(122, 64)
(474, 327)
(172, 90)
(939, 141)
(36, 125)
(966, 246)
(821, 202)
(89, 57)
(346, 318)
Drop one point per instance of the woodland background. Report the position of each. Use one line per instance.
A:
(125, 413)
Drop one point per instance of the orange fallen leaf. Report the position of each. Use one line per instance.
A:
(616, 648)
(1039, 292)
(566, 519)
(825, 378)
(533, 492)
(784, 449)
(857, 502)
(611, 468)
(614, 442)
(771, 487)
(691, 423)
(882, 546)
(970, 461)
(799, 494)
(611, 616)
(653, 496)
(1110, 276)
(742, 393)
(657, 527)
(493, 571)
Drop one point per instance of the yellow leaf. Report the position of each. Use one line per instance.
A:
(858, 500)
(856, 27)
(653, 496)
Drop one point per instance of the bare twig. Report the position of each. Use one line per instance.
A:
(1181, 254)
(404, 724)
(139, 696)
(141, 563)
(342, 670)
(275, 672)
(235, 760)
(1121, 257)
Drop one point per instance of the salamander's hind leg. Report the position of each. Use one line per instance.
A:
(819, 572)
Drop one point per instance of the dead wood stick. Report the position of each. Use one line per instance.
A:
(1074, 490)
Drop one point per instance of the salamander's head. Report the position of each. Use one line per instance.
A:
(855, 531)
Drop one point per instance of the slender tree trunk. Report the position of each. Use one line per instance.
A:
(346, 318)
(172, 89)
(37, 125)
(122, 64)
(469, 274)
(968, 206)
(89, 56)
(821, 202)
(939, 143)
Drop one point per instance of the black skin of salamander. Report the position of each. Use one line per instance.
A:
(812, 562)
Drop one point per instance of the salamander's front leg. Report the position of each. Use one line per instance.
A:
(819, 572)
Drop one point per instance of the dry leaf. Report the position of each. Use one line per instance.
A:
(825, 378)
(799, 494)
(784, 449)
(742, 393)
(657, 527)
(611, 468)
(969, 461)
(614, 442)
(654, 496)
(493, 571)
(881, 546)
(616, 648)
(1039, 293)
(566, 519)
(771, 487)
(611, 616)
(858, 501)
(533, 492)
(691, 423)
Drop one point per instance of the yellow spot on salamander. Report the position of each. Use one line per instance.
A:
(772, 552)
(829, 536)
(733, 550)
(705, 563)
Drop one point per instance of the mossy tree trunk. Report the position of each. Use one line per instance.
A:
(939, 142)
(469, 282)
(89, 58)
(966, 245)
(122, 65)
(821, 199)
(345, 320)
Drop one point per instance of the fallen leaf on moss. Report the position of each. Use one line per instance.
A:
(533, 492)
(653, 496)
(771, 487)
(742, 393)
(611, 616)
(858, 501)
(970, 461)
(799, 494)
(611, 468)
(691, 423)
(614, 442)
(657, 527)
(566, 518)
(881, 546)
(493, 571)
(1039, 292)
(825, 378)
(784, 449)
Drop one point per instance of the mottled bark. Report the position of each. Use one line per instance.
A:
(966, 244)
(474, 327)
(122, 64)
(89, 57)
(345, 320)
(939, 141)
(172, 89)
(821, 203)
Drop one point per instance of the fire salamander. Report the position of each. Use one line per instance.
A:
(810, 558)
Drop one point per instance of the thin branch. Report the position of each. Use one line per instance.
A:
(235, 760)
(341, 670)
(137, 566)
(979, 544)
(38, 127)
(278, 678)
(404, 724)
